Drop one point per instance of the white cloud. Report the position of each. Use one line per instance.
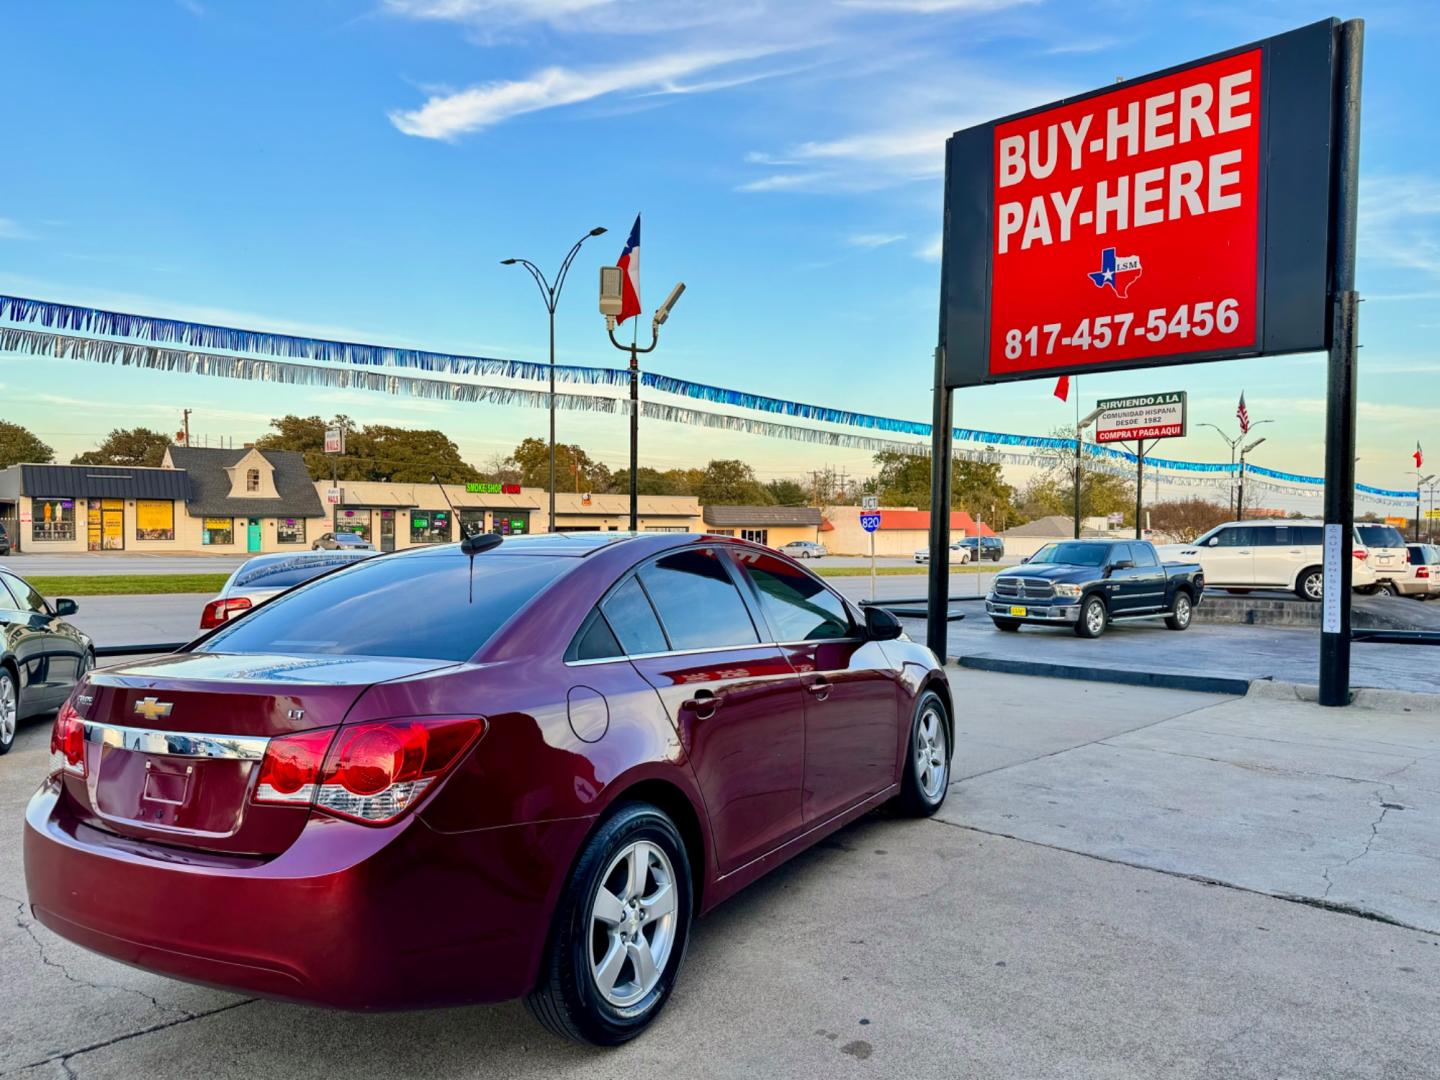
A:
(1400, 222)
(10, 229)
(932, 251)
(874, 240)
(444, 116)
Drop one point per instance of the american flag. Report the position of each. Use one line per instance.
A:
(1243, 415)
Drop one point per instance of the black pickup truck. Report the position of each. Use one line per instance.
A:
(1089, 583)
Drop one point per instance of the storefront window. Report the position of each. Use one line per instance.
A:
(429, 526)
(353, 521)
(154, 519)
(218, 531)
(52, 519)
(106, 525)
(512, 523)
(472, 522)
(290, 531)
(756, 536)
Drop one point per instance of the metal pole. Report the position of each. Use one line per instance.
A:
(872, 566)
(634, 434)
(937, 609)
(1139, 487)
(1340, 390)
(1240, 498)
(552, 414)
(1079, 433)
(1417, 506)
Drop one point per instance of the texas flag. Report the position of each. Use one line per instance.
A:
(629, 261)
(1419, 455)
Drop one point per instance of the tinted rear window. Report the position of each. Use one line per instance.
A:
(1382, 536)
(283, 573)
(412, 606)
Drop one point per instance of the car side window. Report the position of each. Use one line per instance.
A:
(1242, 536)
(7, 598)
(1120, 553)
(632, 620)
(596, 641)
(29, 599)
(697, 601)
(798, 606)
(1144, 555)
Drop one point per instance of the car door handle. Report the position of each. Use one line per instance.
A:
(703, 704)
(821, 688)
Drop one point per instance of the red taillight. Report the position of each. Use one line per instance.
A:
(67, 742)
(1361, 554)
(291, 768)
(1422, 571)
(376, 771)
(219, 611)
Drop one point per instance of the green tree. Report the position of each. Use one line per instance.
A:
(373, 452)
(788, 493)
(977, 487)
(18, 445)
(654, 482)
(575, 470)
(729, 482)
(127, 446)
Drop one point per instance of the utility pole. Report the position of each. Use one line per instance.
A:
(1139, 487)
(186, 414)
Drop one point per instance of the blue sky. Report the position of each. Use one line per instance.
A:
(358, 168)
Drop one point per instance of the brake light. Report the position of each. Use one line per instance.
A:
(219, 611)
(376, 771)
(290, 769)
(1361, 554)
(67, 742)
(1422, 571)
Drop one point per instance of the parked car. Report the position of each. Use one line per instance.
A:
(1239, 556)
(1088, 584)
(1387, 557)
(267, 576)
(334, 541)
(805, 549)
(443, 776)
(984, 547)
(1424, 581)
(42, 656)
(4, 541)
(959, 554)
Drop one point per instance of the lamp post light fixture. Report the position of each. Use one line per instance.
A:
(550, 295)
(1240, 501)
(611, 284)
(1080, 426)
(1233, 443)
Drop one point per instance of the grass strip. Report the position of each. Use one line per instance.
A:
(54, 585)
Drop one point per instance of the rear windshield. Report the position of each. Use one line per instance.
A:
(416, 606)
(1381, 536)
(283, 573)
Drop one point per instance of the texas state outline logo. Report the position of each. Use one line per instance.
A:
(1118, 272)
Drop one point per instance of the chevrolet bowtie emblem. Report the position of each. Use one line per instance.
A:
(153, 709)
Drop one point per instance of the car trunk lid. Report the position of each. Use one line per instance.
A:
(173, 746)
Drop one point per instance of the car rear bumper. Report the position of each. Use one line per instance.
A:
(349, 916)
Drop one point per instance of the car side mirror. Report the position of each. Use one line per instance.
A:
(880, 625)
(1025, 560)
(66, 607)
(1214, 541)
(1122, 564)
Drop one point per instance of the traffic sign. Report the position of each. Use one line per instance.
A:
(1148, 416)
(1176, 217)
(870, 522)
(869, 502)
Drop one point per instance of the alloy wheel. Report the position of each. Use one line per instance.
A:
(1094, 617)
(9, 709)
(1182, 610)
(931, 766)
(1314, 586)
(633, 923)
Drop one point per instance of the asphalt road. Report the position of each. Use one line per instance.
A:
(1122, 884)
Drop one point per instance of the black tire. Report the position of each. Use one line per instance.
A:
(1010, 626)
(1182, 609)
(567, 1001)
(1310, 585)
(1386, 588)
(1091, 625)
(7, 738)
(916, 799)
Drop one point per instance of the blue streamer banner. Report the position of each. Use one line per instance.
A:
(98, 321)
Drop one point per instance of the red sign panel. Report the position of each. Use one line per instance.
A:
(1126, 225)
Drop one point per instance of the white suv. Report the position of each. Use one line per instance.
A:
(1388, 557)
(1245, 555)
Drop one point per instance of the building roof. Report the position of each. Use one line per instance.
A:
(1055, 527)
(762, 516)
(920, 520)
(209, 484)
(99, 482)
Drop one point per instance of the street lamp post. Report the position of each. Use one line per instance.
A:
(1420, 481)
(1233, 444)
(550, 295)
(1080, 426)
(610, 297)
(1240, 502)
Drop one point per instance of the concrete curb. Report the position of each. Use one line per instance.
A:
(1165, 680)
(1362, 698)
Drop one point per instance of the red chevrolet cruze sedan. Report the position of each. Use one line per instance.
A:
(479, 771)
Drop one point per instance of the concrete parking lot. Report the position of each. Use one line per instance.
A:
(1124, 883)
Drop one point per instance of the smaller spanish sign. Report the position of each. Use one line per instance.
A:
(473, 488)
(1146, 416)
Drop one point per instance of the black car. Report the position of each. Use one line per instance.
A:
(1087, 584)
(984, 547)
(42, 657)
(4, 541)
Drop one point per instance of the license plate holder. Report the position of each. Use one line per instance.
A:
(1018, 612)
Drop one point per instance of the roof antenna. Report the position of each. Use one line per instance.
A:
(472, 544)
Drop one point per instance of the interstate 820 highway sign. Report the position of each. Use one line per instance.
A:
(1177, 217)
